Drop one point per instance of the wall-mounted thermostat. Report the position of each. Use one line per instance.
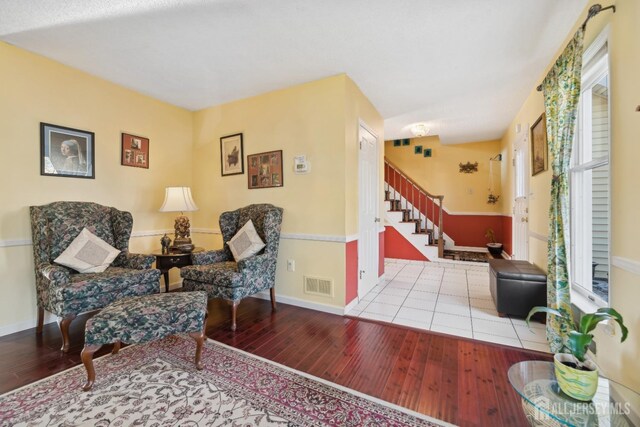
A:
(301, 164)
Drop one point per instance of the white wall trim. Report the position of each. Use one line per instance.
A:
(505, 255)
(352, 237)
(145, 233)
(538, 236)
(25, 324)
(332, 309)
(294, 236)
(353, 303)
(15, 242)
(626, 264)
(205, 230)
(28, 242)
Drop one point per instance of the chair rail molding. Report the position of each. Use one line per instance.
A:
(538, 236)
(15, 242)
(626, 264)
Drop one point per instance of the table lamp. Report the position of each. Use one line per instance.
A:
(178, 199)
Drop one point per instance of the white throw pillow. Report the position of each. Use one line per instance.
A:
(246, 242)
(88, 254)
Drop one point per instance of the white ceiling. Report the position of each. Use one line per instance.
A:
(462, 66)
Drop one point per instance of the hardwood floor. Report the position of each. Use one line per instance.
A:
(453, 379)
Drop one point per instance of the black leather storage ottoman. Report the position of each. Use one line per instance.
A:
(516, 286)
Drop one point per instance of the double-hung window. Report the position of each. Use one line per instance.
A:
(590, 179)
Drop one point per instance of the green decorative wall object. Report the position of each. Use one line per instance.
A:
(397, 143)
(406, 142)
(417, 149)
(427, 152)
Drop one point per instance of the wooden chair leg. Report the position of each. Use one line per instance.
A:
(40, 320)
(63, 323)
(234, 309)
(200, 337)
(87, 360)
(116, 347)
(273, 299)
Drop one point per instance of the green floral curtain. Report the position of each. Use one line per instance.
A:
(561, 89)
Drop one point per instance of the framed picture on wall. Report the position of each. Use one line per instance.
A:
(539, 148)
(232, 155)
(265, 170)
(66, 152)
(135, 151)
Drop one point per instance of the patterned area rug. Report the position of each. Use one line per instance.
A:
(157, 385)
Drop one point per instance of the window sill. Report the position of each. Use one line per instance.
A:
(584, 304)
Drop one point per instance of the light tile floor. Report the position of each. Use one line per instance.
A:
(447, 297)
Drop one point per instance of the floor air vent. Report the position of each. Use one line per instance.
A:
(318, 286)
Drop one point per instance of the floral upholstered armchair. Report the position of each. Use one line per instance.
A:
(65, 292)
(220, 276)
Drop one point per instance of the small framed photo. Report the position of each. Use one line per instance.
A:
(265, 170)
(427, 152)
(397, 142)
(539, 149)
(417, 149)
(232, 155)
(66, 152)
(135, 151)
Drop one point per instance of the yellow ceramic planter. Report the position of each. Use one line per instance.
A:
(580, 385)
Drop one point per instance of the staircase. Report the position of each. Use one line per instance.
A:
(414, 212)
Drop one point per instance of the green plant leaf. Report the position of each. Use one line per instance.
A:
(610, 313)
(578, 343)
(549, 310)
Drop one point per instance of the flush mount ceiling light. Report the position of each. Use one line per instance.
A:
(419, 129)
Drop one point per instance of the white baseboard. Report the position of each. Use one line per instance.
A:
(352, 304)
(332, 309)
(505, 255)
(25, 324)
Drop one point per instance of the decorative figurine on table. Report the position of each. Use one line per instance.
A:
(165, 242)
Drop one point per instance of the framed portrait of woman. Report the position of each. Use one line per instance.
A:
(66, 152)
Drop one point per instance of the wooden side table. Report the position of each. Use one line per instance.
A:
(165, 262)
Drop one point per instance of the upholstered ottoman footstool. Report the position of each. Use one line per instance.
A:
(142, 319)
(516, 286)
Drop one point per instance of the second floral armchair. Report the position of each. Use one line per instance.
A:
(217, 273)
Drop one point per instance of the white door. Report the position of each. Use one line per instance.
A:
(368, 211)
(521, 202)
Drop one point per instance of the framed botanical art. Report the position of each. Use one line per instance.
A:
(232, 155)
(265, 169)
(66, 152)
(135, 151)
(539, 149)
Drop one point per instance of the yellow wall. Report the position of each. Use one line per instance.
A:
(358, 108)
(318, 119)
(617, 360)
(315, 119)
(439, 174)
(34, 90)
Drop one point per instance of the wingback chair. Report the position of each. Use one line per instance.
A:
(216, 271)
(65, 292)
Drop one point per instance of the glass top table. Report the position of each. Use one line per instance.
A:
(545, 404)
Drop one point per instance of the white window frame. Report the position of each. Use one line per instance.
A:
(593, 70)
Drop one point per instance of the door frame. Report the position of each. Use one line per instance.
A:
(363, 287)
(521, 142)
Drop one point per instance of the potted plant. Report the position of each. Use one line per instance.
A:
(494, 247)
(576, 374)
